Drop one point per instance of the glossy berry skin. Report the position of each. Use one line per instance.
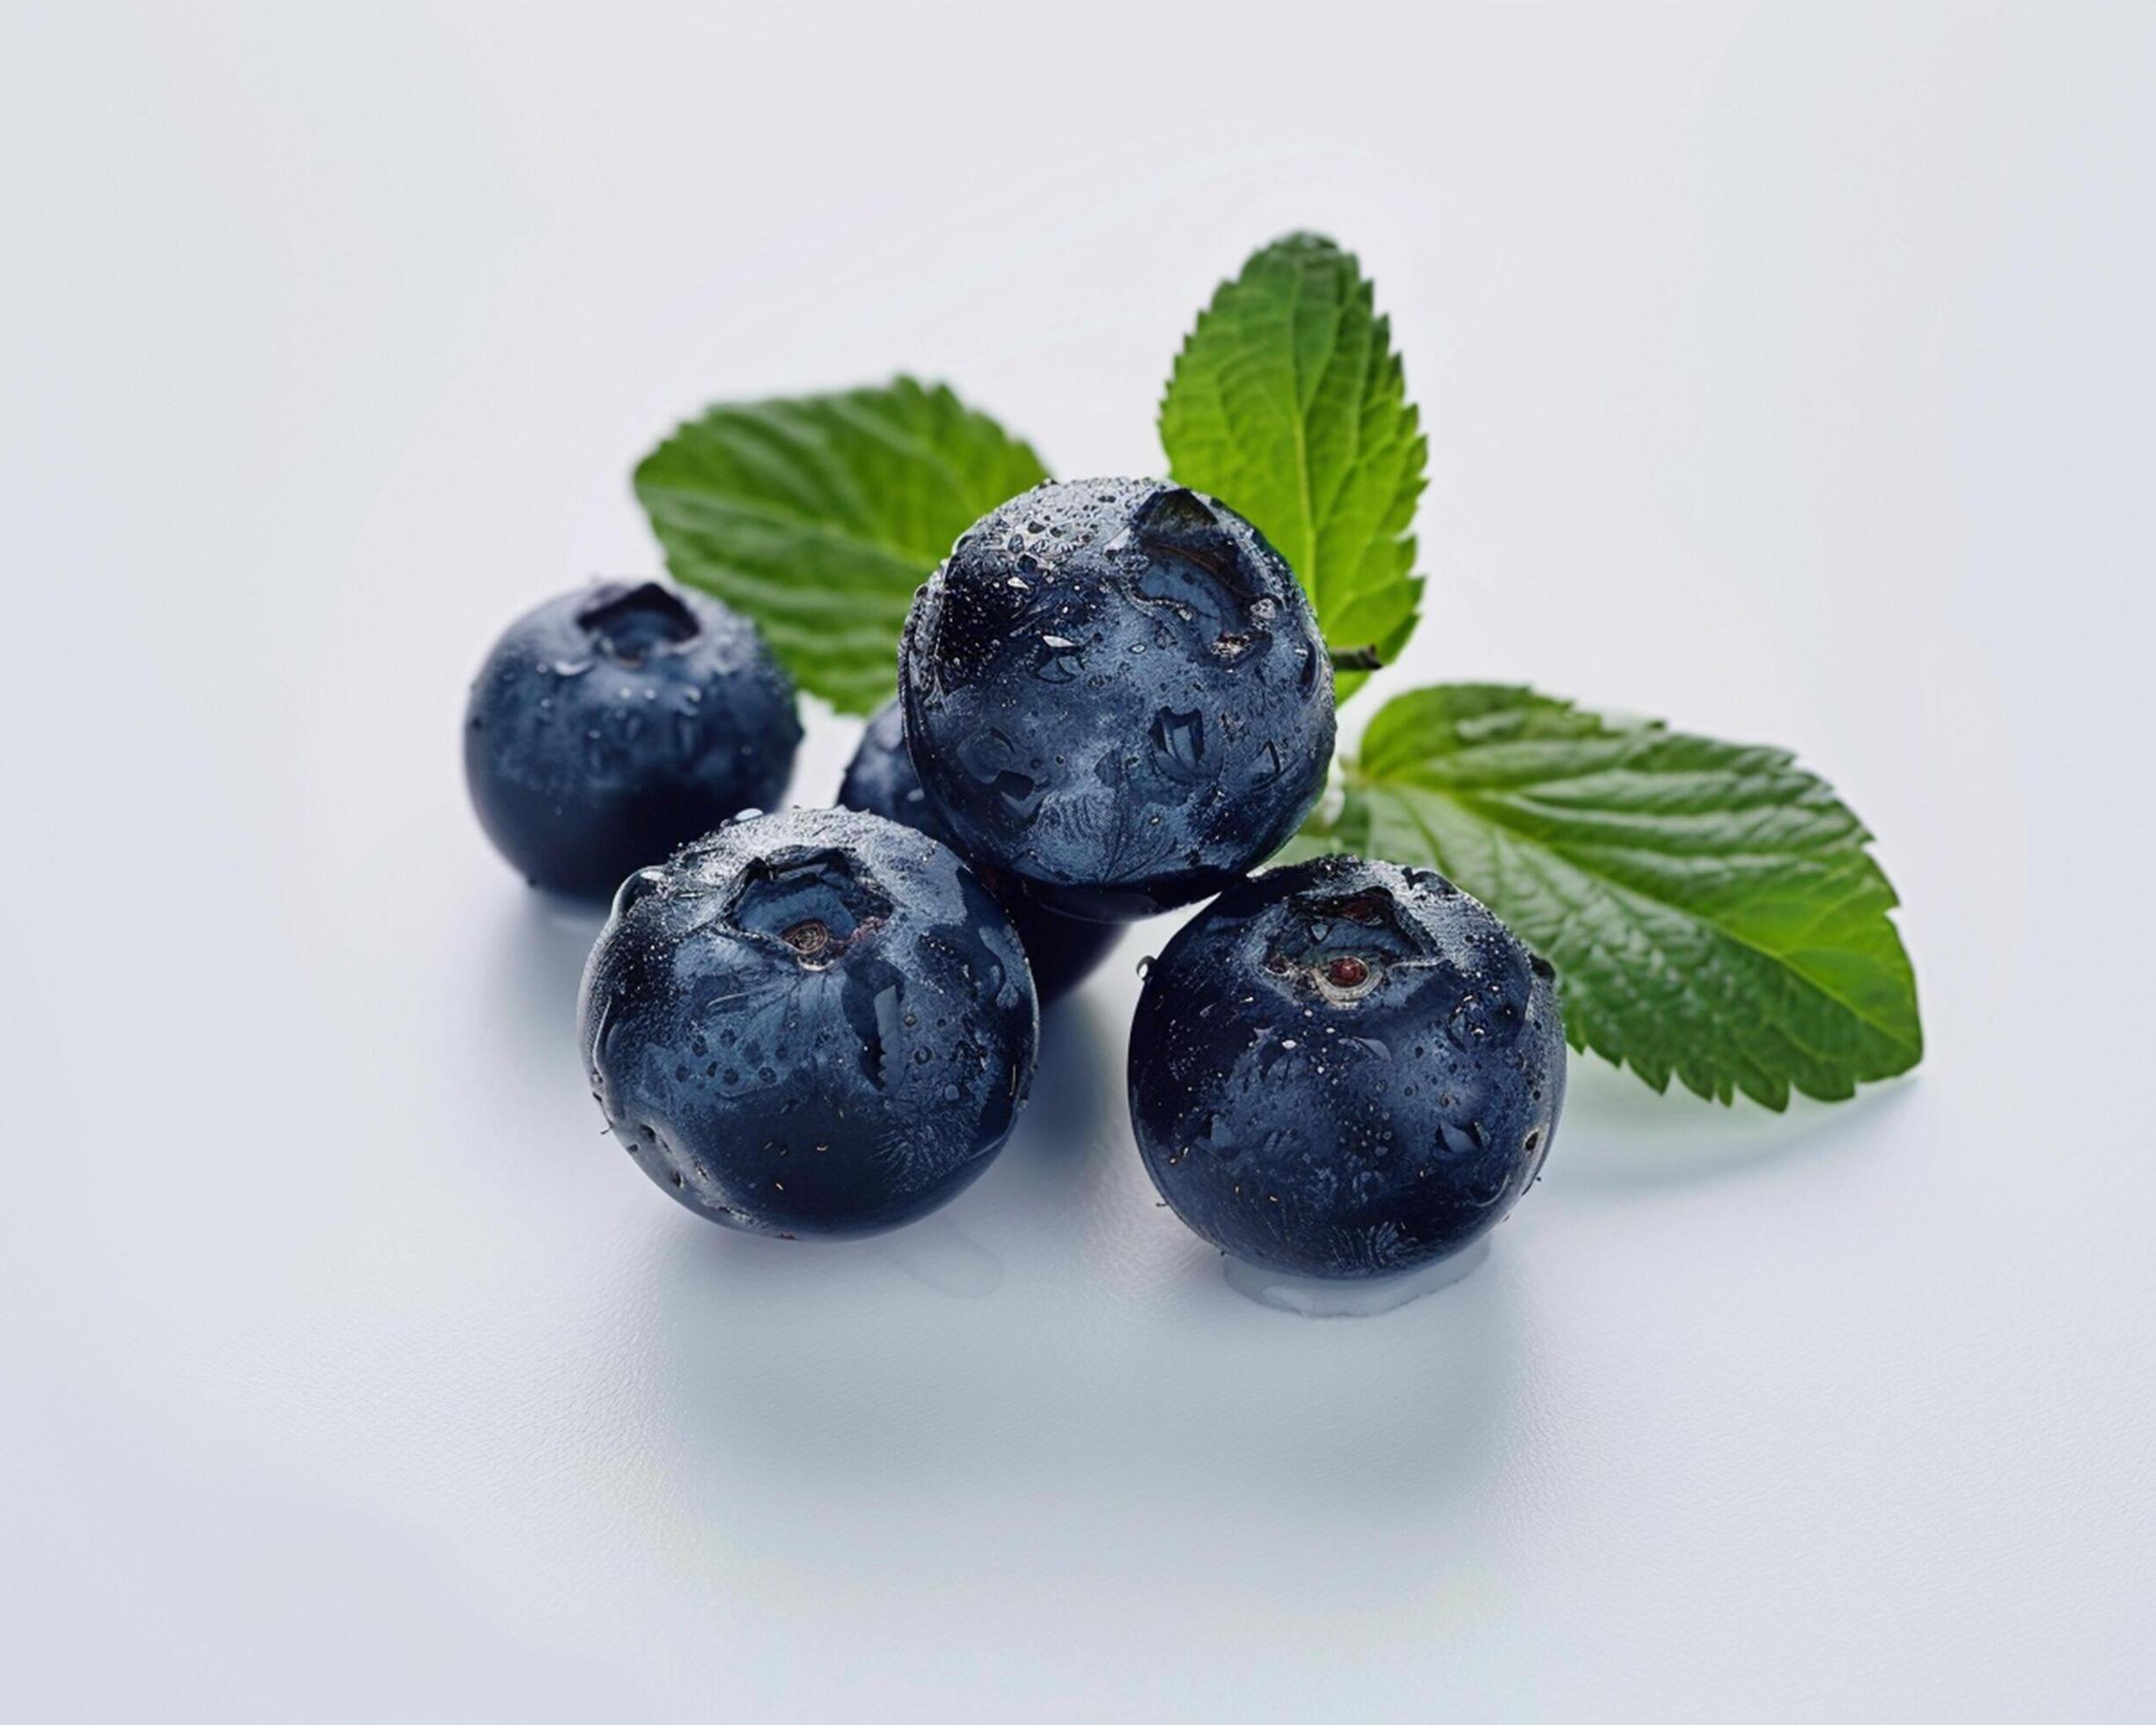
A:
(1061, 949)
(1345, 1069)
(815, 1022)
(617, 722)
(1116, 692)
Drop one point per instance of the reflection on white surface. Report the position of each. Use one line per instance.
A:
(938, 1254)
(1313, 1296)
(798, 1377)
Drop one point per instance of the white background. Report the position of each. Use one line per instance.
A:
(1787, 373)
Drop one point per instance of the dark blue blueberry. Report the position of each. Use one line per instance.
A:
(619, 721)
(815, 1022)
(1062, 949)
(1345, 1069)
(1115, 691)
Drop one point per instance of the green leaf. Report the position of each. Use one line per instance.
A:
(1711, 906)
(1287, 403)
(819, 516)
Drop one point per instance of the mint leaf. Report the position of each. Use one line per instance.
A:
(819, 516)
(1711, 906)
(1287, 403)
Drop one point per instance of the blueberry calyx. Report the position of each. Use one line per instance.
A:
(1190, 564)
(1342, 949)
(1346, 972)
(630, 626)
(817, 905)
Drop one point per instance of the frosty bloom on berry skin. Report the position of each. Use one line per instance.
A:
(1345, 1069)
(611, 724)
(1063, 950)
(1116, 692)
(815, 1022)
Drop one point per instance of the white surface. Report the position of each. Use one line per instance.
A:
(1787, 372)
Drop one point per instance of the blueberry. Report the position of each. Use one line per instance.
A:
(1061, 949)
(619, 721)
(815, 1022)
(1115, 691)
(1345, 1069)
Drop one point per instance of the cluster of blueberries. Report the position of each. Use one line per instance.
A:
(1113, 700)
